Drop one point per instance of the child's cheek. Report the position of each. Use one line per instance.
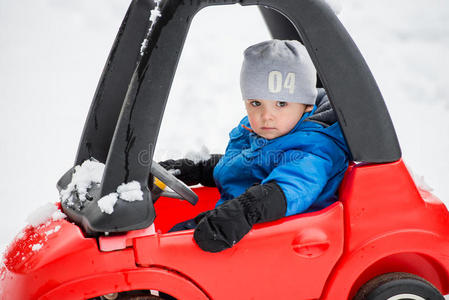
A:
(252, 120)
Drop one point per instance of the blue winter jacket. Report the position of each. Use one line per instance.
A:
(308, 163)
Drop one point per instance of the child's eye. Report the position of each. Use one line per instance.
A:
(281, 103)
(255, 103)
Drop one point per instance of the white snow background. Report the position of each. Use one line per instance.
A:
(52, 54)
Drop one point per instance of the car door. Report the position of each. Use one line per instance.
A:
(290, 258)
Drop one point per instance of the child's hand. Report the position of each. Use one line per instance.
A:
(222, 227)
(192, 173)
(228, 223)
(184, 169)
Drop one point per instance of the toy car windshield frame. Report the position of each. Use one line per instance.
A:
(125, 116)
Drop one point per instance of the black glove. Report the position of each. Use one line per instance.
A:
(193, 173)
(189, 224)
(228, 223)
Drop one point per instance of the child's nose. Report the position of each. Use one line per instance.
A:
(267, 114)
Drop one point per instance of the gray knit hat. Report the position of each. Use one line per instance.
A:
(278, 70)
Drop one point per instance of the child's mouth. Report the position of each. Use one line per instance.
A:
(268, 128)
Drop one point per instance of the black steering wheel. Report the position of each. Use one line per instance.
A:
(181, 190)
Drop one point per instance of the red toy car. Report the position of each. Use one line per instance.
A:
(383, 239)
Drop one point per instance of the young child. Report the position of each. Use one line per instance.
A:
(287, 156)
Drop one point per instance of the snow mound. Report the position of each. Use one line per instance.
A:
(129, 192)
(90, 171)
(106, 203)
(42, 214)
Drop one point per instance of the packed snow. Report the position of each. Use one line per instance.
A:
(129, 192)
(106, 203)
(46, 93)
(88, 173)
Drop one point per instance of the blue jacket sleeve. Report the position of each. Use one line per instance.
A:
(303, 174)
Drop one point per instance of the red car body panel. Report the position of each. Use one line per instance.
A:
(390, 226)
(382, 223)
(290, 258)
(125, 280)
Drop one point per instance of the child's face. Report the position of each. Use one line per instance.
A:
(271, 119)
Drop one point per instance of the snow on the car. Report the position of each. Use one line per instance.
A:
(44, 213)
(129, 192)
(36, 247)
(20, 235)
(88, 173)
(106, 203)
(155, 14)
(50, 232)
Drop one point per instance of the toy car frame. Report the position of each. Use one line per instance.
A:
(383, 239)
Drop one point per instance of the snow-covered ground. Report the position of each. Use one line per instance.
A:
(52, 54)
